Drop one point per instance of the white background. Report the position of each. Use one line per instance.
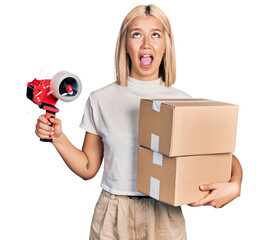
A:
(222, 54)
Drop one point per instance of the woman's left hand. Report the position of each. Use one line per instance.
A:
(220, 194)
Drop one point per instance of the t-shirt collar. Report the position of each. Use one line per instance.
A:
(144, 84)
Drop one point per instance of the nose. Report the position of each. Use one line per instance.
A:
(146, 43)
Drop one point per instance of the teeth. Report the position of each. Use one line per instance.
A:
(146, 56)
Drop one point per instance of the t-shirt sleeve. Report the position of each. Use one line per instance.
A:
(89, 118)
(186, 95)
(182, 94)
(189, 96)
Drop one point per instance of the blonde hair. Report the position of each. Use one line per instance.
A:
(167, 69)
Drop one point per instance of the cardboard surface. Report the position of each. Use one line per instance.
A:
(182, 127)
(176, 180)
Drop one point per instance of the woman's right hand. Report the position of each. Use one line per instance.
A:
(86, 162)
(44, 130)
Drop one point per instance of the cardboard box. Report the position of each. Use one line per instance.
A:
(181, 127)
(176, 180)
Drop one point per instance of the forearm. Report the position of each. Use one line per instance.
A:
(236, 171)
(74, 158)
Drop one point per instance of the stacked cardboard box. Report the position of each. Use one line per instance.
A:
(184, 143)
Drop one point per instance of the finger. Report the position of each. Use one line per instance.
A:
(43, 119)
(208, 187)
(55, 121)
(222, 205)
(44, 132)
(205, 201)
(40, 135)
(43, 126)
(216, 204)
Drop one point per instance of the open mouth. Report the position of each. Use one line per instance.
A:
(146, 60)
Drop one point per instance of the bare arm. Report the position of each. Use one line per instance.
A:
(86, 162)
(237, 173)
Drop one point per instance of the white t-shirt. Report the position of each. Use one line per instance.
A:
(113, 113)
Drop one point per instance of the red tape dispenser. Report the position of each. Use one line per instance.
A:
(45, 93)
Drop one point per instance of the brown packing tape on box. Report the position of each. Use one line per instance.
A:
(182, 127)
(176, 180)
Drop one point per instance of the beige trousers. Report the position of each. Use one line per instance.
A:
(119, 217)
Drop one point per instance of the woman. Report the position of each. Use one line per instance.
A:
(145, 68)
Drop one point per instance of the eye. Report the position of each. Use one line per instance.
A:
(136, 35)
(155, 35)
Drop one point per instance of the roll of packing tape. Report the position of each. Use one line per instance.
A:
(65, 86)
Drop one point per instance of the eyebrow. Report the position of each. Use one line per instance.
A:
(139, 29)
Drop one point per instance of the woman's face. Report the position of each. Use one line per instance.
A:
(145, 46)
